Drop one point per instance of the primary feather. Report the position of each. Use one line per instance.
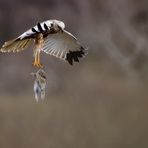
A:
(15, 45)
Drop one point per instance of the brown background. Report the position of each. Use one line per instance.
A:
(100, 102)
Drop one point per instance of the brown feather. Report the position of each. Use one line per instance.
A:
(15, 45)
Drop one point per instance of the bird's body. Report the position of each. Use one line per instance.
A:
(39, 84)
(50, 37)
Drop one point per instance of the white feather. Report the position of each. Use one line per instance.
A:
(48, 23)
(59, 44)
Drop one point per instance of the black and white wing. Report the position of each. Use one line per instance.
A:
(23, 41)
(65, 46)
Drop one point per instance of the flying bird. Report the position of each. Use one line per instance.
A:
(50, 37)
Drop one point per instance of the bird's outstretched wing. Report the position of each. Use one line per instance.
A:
(65, 46)
(15, 45)
(25, 39)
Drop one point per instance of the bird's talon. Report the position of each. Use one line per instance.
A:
(38, 65)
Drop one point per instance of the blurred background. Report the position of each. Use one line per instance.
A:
(100, 102)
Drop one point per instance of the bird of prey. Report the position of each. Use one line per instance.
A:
(39, 84)
(50, 37)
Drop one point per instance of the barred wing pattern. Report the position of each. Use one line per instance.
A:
(15, 45)
(65, 46)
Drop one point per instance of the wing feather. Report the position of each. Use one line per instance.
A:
(65, 46)
(15, 45)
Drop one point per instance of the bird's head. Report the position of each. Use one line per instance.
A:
(57, 25)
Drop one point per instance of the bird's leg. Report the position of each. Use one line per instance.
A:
(37, 62)
(38, 59)
(38, 45)
(35, 58)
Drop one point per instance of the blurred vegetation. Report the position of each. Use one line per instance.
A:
(100, 102)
